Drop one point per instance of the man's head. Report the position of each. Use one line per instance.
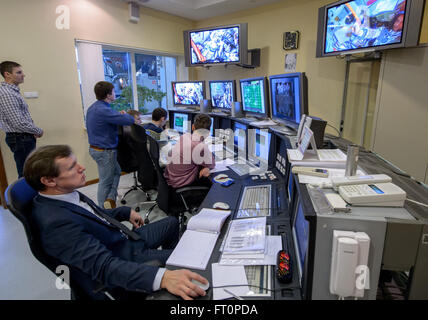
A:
(12, 72)
(54, 170)
(105, 91)
(159, 115)
(202, 121)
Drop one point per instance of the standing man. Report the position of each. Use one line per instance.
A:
(102, 124)
(15, 119)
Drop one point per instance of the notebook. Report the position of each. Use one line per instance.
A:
(197, 243)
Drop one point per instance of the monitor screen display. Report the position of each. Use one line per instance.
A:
(288, 96)
(253, 95)
(222, 94)
(188, 93)
(301, 236)
(261, 144)
(219, 45)
(181, 122)
(361, 24)
(240, 135)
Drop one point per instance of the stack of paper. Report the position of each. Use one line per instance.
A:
(231, 278)
(197, 243)
(264, 123)
(247, 244)
(324, 157)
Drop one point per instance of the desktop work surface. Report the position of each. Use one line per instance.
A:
(262, 280)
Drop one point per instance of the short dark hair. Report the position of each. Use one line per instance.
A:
(202, 121)
(7, 66)
(41, 163)
(102, 89)
(158, 113)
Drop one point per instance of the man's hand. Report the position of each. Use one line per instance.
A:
(122, 112)
(178, 282)
(205, 172)
(38, 135)
(136, 220)
(137, 119)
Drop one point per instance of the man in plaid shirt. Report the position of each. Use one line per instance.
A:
(15, 119)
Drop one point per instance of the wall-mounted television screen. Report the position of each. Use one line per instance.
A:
(188, 93)
(216, 45)
(368, 25)
(223, 94)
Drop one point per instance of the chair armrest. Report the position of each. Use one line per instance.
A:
(195, 188)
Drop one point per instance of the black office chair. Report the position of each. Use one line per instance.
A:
(129, 161)
(19, 199)
(174, 201)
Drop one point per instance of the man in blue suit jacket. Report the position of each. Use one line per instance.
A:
(75, 231)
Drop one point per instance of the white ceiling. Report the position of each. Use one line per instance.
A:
(202, 9)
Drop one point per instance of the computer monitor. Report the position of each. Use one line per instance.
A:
(254, 97)
(188, 93)
(288, 98)
(223, 94)
(181, 122)
(260, 145)
(240, 136)
(300, 230)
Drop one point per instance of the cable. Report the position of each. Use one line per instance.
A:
(338, 132)
(419, 203)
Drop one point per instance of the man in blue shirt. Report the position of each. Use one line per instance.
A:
(15, 119)
(155, 128)
(102, 125)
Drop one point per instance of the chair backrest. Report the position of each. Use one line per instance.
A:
(146, 171)
(163, 197)
(126, 156)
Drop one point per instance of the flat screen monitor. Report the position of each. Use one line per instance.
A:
(261, 145)
(300, 230)
(288, 98)
(188, 93)
(181, 122)
(240, 135)
(216, 45)
(223, 94)
(368, 25)
(254, 96)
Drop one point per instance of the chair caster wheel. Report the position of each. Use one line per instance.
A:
(137, 209)
(146, 221)
(123, 201)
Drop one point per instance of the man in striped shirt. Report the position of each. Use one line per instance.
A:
(15, 119)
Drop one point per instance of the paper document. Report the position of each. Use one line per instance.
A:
(197, 243)
(227, 277)
(215, 147)
(269, 257)
(222, 165)
(193, 250)
(246, 235)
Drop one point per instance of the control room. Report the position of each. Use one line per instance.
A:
(213, 150)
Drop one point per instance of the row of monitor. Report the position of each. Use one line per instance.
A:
(255, 148)
(288, 96)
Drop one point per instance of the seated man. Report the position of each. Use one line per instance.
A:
(190, 160)
(155, 128)
(74, 230)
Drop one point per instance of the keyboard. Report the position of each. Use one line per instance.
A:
(255, 202)
(240, 168)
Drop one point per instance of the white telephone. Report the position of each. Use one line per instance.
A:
(376, 194)
(350, 252)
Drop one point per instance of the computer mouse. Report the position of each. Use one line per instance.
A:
(221, 205)
(201, 285)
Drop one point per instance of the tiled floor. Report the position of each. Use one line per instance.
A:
(21, 275)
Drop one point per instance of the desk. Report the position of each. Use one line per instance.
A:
(279, 222)
(400, 235)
